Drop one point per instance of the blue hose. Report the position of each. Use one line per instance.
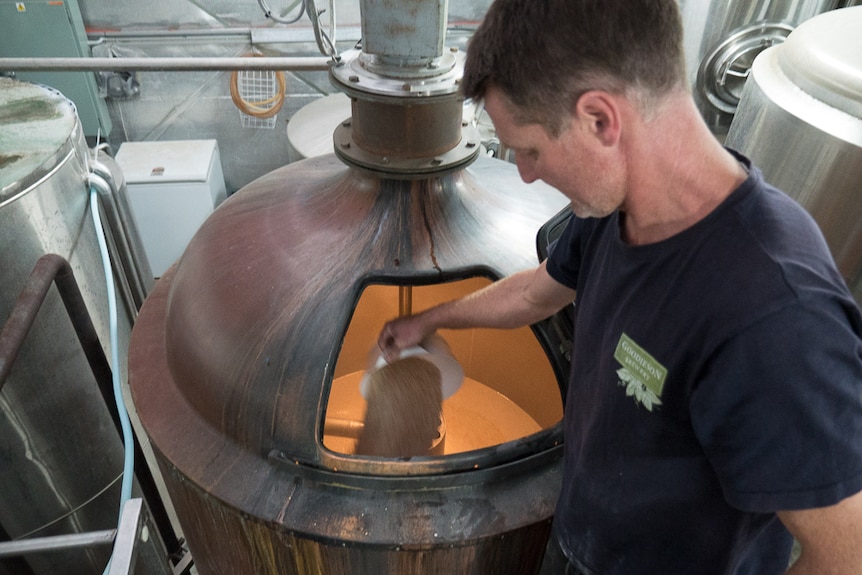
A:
(125, 423)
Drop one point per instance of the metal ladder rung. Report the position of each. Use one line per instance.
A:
(125, 539)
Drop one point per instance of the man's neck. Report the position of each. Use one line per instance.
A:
(679, 173)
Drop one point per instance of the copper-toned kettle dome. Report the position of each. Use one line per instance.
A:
(246, 351)
(263, 296)
(232, 361)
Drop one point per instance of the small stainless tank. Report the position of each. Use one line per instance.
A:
(722, 39)
(51, 399)
(61, 453)
(800, 120)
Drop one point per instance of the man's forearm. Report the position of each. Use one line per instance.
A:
(518, 300)
(505, 304)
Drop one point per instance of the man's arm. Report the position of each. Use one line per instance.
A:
(831, 538)
(518, 300)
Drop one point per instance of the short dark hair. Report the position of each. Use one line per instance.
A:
(543, 54)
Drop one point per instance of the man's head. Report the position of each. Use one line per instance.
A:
(543, 54)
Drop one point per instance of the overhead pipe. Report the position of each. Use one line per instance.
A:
(183, 64)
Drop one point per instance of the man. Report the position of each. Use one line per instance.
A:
(715, 404)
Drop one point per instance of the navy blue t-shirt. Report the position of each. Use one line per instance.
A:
(716, 379)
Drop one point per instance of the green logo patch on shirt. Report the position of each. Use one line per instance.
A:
(641, 375)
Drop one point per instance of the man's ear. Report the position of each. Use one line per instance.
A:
(600, 113)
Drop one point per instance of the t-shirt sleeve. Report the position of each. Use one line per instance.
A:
(564, 258)
(779, 409)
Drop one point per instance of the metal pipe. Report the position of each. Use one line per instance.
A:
(164, 33)
(56, 543)
(343, 427)
(128, 251)
(48, 269)
(405, 300)
(52, 268)
(185, 64)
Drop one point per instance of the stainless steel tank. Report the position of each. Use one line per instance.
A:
(252, 346)
(800, 120)
(722, 39)
(61, 454)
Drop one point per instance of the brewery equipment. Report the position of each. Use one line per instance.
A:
(722, 39)
(800, 121)
(246, 359)
(62, 455)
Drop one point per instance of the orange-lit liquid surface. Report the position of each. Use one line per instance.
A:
(475, 416)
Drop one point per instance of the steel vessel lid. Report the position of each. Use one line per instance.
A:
(823, 57)
(171, 161)
(37, 124)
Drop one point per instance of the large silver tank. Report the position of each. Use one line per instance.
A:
(800, 120)
(722, 38)
(60, 451)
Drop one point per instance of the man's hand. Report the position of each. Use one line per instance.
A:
(402, 333)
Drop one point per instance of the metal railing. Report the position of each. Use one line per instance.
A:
(54, 269)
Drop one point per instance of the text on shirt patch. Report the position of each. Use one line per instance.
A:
(641, 375)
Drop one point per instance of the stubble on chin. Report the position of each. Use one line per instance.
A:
(584, 211)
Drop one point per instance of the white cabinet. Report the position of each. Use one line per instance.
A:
(173, 187)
